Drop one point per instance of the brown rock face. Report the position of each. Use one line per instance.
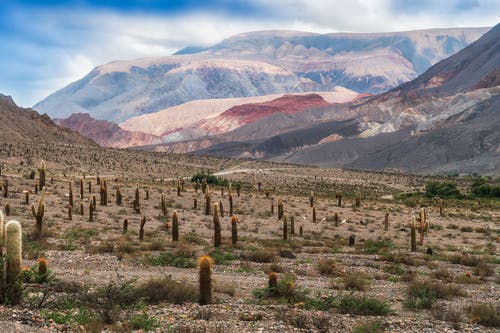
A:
(105, 133)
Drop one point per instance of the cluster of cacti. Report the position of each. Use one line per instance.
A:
(205, 278)
(103, 192)
(41, 175)
(11, 240)
(38, 215)
(141, 228)
(175, 226)
(217, 227)
(234, 230)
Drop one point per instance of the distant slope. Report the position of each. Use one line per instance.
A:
(105, 133)
(19, 125)
(257, 63)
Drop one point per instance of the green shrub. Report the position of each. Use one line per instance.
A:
(423, 294)
(363, 306)
(211, 179)
(446, 189)
(485, 314)
(173, 259)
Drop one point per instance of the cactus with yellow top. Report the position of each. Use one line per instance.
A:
(205, 278)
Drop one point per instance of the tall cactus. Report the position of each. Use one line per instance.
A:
(207, 203)
(81, 188)
(230, 205)
(234, 230)
(41, 177)
(311, 199)
(141, 228)
(386, 220)
(205, 279)
(358, 200)
(13, 251)
(413, 235)
(217, 227)
(175, 226)
(285, 228)
(70, 199)
(2, 233)
(314, 214)
(292, 225)
(38, 215)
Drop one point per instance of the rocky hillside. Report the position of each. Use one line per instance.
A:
(257, 63)
(19, 125)
(420, 127)
(106, 133)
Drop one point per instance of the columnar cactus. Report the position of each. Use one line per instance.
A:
(70, 212)
(230, 205)
(301, 230)
(358, 200)
(90, 186)
(81, 188)
(91, 211)
(205, 278)
(221, 208)
(195, 203)
(26, 197)
(2, 233)
(5, 188)
(70, 198)
(137, 202)
(292, 225)
(204, 186)
(81, 209)
(175, 227)
(103, 193)
(280, 210)
(164, 210)
(413, 235)
(336, 219)
(38, 215)
(119, 197)
(338, 196)
(178, 188)
(311, 199)
(41, 177)
(423, 226)
(238, 189)
(141, 228)
(125, 226)
(217, 227)
(234, 230)
(386, 220)
(285, 228)
(352, 240)
(314, 214)
(207, 204)
(13, 252)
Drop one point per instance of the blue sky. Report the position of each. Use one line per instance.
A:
(47, 44)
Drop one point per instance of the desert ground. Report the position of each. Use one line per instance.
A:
(102, 278)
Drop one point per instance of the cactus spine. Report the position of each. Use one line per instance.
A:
(175, 227)
(205, 275)
(38, 215)
(234, 230)
(217, 228)
(13, 251)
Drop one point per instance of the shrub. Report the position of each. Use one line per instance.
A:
(368, 327)
(465, 259)
(363, 306)
(211, 179)
(261, 255)
(485, 314)
(158, 290)
(179, 258)
(377, 246)
(355, 281)
(144, 322)
(423, 294)
(327, 267)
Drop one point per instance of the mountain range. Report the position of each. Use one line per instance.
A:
(254, 64)
(422, 101)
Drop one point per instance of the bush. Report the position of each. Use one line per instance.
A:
(363, 306)
(423, 294)
(465, 259)
(261, 255)
(368, 327)
(158, 290)
(480, 188)
(377, 246)
(484, 314)
(355, 281)
(446, 189)
(327, 267)
(179, 259)
(143, 322)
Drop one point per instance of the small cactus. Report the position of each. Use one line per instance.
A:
(41, 177)
(125, 226)
(314, 215)
(81, 188)
(273, 280)
(234, 230)
(43, 268)
(386, 220)
(301, 230)
(119, 197)
(205, 275)
(217, 227)
(358, 200)
(352, 240)
(70, 199)
(311, 199)
(91, 211)
(175, 227)
(292, 225)
(336, 219)
(207, 204)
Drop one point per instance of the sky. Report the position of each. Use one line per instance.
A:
(47, 44)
